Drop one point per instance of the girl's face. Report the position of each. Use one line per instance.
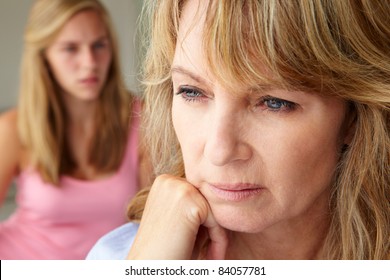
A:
(80, 56)
(261, 159)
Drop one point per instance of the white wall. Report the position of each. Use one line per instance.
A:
(13, 17)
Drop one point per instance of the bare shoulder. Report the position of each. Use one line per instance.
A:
(8, 124)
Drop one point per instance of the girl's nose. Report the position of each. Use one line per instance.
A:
(89, 58)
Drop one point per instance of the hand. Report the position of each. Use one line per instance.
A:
(169, 227)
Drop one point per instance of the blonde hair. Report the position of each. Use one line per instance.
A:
(42, 120)
(337, 48)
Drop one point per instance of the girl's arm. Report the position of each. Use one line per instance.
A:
(10, 150)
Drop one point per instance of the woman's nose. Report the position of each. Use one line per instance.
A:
(225, 138)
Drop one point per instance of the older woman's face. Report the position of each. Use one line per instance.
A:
(260, 159)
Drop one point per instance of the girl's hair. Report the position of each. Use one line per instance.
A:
(42, 121)
(335, 48)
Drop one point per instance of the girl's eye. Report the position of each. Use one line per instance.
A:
(276, 104)
(70, 49)
(191, 94)
(99, 45)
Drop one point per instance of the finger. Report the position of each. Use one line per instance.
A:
(218, 239)
(218, 243)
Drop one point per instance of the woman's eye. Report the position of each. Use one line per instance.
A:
(191, 94)
(276, 104)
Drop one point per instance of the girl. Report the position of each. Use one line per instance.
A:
(72, 142)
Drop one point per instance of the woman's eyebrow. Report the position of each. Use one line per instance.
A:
(258, 89)
(183, 71)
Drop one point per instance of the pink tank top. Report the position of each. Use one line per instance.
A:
(65, 222)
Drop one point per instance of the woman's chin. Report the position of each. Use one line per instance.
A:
(239, 221)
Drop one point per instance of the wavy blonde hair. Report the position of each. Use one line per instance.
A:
(42, 120)
(337, 48)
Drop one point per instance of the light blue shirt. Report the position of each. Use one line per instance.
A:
(115, 245)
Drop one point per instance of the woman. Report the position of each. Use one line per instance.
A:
(72, 142)
(274, 139)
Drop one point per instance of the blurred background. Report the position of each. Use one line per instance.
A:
(13, 17)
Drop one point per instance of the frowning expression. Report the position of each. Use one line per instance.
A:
(80, 56)
(260, 158)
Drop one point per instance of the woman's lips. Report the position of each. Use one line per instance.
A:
(235, 192)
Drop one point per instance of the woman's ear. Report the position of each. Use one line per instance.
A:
(349, 125)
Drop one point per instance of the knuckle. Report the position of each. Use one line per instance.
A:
(196, 214)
